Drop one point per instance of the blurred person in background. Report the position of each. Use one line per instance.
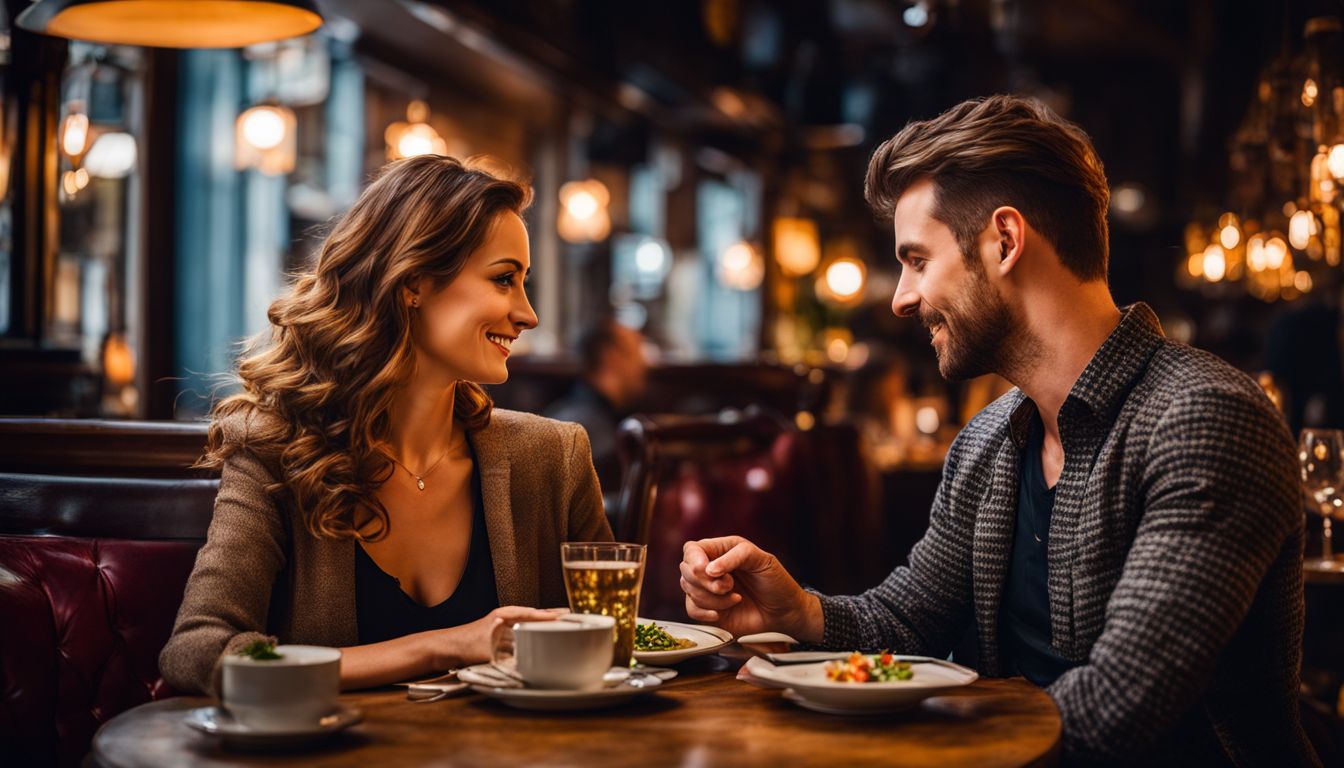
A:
(615, 377)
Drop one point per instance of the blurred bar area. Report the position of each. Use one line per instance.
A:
(714, 294)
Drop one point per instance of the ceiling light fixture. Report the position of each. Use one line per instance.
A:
(172, 23)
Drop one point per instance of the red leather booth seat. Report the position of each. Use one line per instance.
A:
(91, 574)
(807, 497)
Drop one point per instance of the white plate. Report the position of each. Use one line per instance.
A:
(216, 721)
(621, 686)
(809, 682)
(707, 640)
(793, 696)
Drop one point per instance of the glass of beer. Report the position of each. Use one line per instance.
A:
(604, 577)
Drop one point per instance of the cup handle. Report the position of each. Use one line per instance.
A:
(501, 644)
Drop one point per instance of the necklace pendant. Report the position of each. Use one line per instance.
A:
(419, 483)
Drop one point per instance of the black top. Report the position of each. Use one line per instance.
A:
(1026, 599)
(383, 611)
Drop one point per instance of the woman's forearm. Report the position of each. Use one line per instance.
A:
(404, 658)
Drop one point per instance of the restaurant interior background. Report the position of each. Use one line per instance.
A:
(697, 169)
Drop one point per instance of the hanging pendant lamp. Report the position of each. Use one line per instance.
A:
(173, 23)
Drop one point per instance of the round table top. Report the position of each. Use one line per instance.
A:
(701, 718)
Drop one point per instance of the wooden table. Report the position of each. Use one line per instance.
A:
(703, 718)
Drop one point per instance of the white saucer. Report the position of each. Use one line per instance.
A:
(621, 687)
(707, 640)
(216, 721)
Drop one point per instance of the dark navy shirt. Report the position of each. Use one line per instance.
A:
(1026, 599)
(384, 611)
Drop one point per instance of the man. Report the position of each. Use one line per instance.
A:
(1123, 528)
(615, 376)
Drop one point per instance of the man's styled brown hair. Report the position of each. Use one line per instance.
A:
(1002, 150)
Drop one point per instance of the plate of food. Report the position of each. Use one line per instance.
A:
(864, 683)
(668, 642)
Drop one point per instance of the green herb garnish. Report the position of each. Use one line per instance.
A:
(651, 637)
(261, 651)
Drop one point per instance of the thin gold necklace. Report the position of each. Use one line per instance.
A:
(420, 478)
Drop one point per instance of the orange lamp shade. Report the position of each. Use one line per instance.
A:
(173, 23)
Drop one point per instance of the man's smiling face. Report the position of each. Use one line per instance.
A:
(968, 321)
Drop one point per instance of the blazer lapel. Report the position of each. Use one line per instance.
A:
(992, 548)
(492, 462)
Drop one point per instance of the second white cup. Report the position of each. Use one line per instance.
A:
(572, 652)
(292, 692)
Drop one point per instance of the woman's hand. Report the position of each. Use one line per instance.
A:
(470, 643)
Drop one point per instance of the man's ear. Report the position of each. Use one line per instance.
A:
(1010, 227)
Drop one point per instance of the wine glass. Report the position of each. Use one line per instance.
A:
(1321, 456)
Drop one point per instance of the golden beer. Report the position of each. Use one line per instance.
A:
(609, 587)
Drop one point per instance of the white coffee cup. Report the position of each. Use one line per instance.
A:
(572, 652)
(292, 692)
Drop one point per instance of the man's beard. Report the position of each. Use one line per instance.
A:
(977, 341)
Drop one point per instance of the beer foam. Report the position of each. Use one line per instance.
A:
(601, 565)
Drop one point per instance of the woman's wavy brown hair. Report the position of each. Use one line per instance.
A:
(340, 340)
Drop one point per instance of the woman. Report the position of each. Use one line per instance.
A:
(370, 499)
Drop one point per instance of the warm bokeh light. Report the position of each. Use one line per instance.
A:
(263, 127)
(583, 211)
(118, 360)
(837, 350)
(75, 134)
(1334, 161)
(1195, 264)
(1128, 198)
(1300, 228)
(741, 267)
(1275, 252)
(1309, 92)
(1229, 236)
(265, 138)
(1255, 253)
(926, 420)
(797, 246)
(1302, 281)
(582, 204)
(845, 278)
(1215, 263)
(415, 136)
(421, 139)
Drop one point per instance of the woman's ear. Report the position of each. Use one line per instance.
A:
(410, 292)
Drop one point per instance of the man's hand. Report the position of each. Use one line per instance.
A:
(732, 583)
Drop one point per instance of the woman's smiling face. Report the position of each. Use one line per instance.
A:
(464, 328)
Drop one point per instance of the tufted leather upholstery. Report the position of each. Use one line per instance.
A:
(91, 575)
(807, 497)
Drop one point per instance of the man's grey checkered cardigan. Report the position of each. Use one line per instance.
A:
(1175, 559)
